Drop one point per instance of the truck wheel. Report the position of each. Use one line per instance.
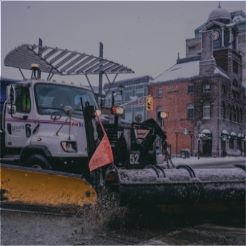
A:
(38, 161)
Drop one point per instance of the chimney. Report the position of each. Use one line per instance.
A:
(207, 62)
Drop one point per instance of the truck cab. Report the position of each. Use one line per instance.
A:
(43, 124)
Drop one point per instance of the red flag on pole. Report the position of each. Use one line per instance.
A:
(103, 154)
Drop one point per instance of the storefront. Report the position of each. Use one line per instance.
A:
(224, 137)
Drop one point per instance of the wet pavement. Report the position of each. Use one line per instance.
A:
(112, 225)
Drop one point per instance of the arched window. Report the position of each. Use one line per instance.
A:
(230, 112)
(237, 114)
(190, 112)
(223, 111)
(234, 114)
(240, 115)
(206, 111)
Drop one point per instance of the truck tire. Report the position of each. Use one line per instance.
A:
(38, 161)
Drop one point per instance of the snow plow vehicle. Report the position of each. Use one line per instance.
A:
(70, 136)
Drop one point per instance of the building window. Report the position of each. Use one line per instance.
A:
(230, 113)
(159, 92)
(240, 115)
(206, 88)
(223, 111)
(235, 67)
(139, 92)
(242, 38)
(190, 88)
(224, 89)
(231, 143)
(234, 114)
(206, 111)
(128, 93)
(190, 112)
(226, 37)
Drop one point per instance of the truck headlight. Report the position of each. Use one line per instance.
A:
(69, 146)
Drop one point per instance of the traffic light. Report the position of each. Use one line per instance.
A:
(149, 103)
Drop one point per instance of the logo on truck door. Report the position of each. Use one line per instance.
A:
(17, 129)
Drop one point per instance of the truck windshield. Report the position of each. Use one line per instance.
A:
(52, 97)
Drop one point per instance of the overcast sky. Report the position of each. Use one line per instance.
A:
(145, 36)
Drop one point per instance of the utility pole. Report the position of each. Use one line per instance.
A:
(99, 100)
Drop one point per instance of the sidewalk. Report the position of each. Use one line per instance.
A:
(208, 160)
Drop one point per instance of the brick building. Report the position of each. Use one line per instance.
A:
(204, 95)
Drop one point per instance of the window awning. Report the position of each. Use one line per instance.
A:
(225, 132)
(206, 132)
(61, 61)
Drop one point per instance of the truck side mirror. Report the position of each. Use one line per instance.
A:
(11, 108)
(12, 95)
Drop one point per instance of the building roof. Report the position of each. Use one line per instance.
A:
(184, 70)
(129, 82)
(219, 13)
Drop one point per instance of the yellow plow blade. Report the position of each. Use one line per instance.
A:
(26, 186)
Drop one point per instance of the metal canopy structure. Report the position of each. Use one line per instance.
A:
(61, 61)
(56, 61)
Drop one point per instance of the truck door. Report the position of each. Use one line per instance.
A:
(18, 124)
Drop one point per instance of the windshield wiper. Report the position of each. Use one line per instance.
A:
(60, 109)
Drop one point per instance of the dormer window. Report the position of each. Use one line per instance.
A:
(190, 112)
(235, 67)
(206, 88)
(159, 92)
(190, 88)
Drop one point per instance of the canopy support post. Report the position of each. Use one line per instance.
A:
(110, 82)
(22, 74)
(90, 85)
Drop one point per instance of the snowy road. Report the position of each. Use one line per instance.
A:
(109, 224)
(119, 227)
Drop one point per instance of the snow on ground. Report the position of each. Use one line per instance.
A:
(208, 160)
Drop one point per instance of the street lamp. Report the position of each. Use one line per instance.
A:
(176, 134)
(162, 115)
(191, 141)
